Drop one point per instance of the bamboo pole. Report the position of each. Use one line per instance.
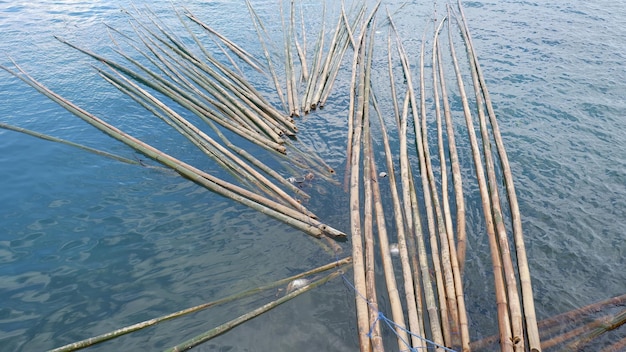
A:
(307, 101)
(411, 207)
(515, 309)
(454, 289)
(368, 231)
(504, 323)
(151, 322)
(456, 267)
(456, 170)
(257, 22)
(430, 198)
(355, 214)
(522, 261)
(71, 144)
(197, 340)
(242, 54)
(390, 279)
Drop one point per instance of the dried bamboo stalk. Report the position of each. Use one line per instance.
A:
(257, 23)
(368, 226)
(413, 217)
(456, 268)
(242, 54)
(430, 198)
(390, 279)
(504, 323)
(355, 213)
(515, 309)
(456, 170)
(522, 261)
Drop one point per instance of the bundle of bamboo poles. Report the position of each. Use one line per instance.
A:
(430, 312)
(220, 98)
(432, 254)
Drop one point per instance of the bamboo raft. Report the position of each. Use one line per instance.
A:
(428, 309)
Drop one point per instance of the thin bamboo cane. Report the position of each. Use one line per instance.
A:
(324, 74)
(237, 84)
(257, 22)
(448, 249)
(456, 169)
(195, 341)
(456, 269)
(390, 279)
(522, 261)
(307, 101)
(256, 162)
(261, 204)
(355, 213)
(411, 283)
(196, 140)
(71, 144)
(515, 309)
(304, 71)
(413, 217)
(145, 324)
(410, 241)
(292, 73)
(430, 197)
(335, 66)
(242, 54)
(504, 323)
(580, 331)
(413, 228)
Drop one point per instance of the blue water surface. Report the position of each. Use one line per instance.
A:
(89, 244)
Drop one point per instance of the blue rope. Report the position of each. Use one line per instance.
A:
(392, 325)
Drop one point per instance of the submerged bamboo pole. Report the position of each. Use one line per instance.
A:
(362, 314)
(456, 169)
(151, 322)
(390, 279)
(504, 322)
(515, 309)
(411, 207)
(522, 261)
(454, 256)
(197, 340)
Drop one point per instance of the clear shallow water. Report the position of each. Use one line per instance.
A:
(88, 245)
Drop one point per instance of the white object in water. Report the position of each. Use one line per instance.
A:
(382, 174)
(394, 250)
(296, 284)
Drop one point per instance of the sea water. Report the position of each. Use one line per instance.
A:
(89, 244)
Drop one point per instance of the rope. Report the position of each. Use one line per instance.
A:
(392, 325)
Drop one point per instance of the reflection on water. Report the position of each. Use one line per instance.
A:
(88, 245)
